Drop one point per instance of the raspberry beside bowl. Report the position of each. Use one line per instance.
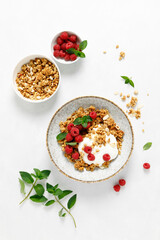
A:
(17, 69)
(54, 42)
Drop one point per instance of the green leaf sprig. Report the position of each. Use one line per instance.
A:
(147, 145)
(84, 121)
(78, 53)
(39, 197)
(128, 80)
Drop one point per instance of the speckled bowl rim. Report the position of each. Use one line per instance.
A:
(104, 179)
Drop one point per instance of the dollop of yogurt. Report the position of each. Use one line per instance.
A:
(98, 151)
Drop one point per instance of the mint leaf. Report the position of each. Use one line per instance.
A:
(65, 193)
(72, 201)
(76, 52)
(61, 214)
(45, 174)
(37, 172)
(83, 45)
(26, 177)
(50, 202)
(58, 192)
(71, 50)
(50, 188)
(33, 175)
(22, 186)
(71, 143)
(39, 189)
(84, 124)
(38, 199)
(87, 118)
(77, 121)
(147, 145)
(128, 80)
(61, 136)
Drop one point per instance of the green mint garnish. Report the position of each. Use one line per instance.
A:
(61, 136)
(128, 80)
(147, 146)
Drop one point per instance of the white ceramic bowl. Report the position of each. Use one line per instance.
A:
(18, 69)
(54, 41)
(62, 162)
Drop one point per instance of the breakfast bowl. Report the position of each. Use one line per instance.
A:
(36, 78)
(67, 111)
(54, 42)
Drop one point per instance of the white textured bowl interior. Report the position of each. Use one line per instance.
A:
(18, 69)
(67, 167)
(54, 41)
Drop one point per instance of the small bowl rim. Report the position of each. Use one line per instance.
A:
(73, 178)
(59, 60)
(28, 58)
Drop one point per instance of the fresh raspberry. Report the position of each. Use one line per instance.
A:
(91, 157)
(56, 53)
(69, 45)
(74, 131)
(73, 38)
(63, 46)
(146, 165)
(69, 137)
(68, 149)
(64, 35)
(106, 157)
(67, 57)
(59, 41)
(62, 54)
(79, 127)
(75, 155)
(56, 47)
(122, 182)
(88, 125)
(76, 46)
(93, 115)
(116, 188)
(70, 125)
(73, 57)
(78, 138)
(88, 149)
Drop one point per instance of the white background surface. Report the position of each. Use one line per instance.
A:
(28, 27)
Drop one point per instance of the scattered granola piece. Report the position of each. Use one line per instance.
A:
(116, 93)
(142, 122)
(120, 58)
(134, 113)
(123, 98)
(104, 52)
(142, 130)
(136, 92)
(128, 95)
(117, 46)
(133, 102)
(121, 94)
(122, 55)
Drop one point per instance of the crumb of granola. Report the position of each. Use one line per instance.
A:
(121, 94)
(134, 113)
(142, 122)
(104, 52)
(142, 130)
(117, 46)
(128, 95)
(122, 55)
(136, 92)
(133, 102)
(116, 93)
(123, 98)
(120, 58)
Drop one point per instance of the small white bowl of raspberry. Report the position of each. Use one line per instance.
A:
(62, 42)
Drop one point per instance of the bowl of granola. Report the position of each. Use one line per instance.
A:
(36, 78)
(90, 139)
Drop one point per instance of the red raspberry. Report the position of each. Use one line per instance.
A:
(78, 138)
(75, 155)
(91, 157)
(116, 188)
(69, 137)
(146, 165)
(62, 54)
(67, 57)
(68, 149)
(88, 149)
(56, 53)
(88, 125)
(76, 46)
(56, 47)
(73, 38)
(93, 115)
(64, 35)
(106, 157)
(122, 182)
(79, 127)
(74, 131)
(59, 41)
(70, 125)
(73, 57)
(63, 46)
(69, 45)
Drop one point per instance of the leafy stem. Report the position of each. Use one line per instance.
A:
(29, 192)
(57, 200)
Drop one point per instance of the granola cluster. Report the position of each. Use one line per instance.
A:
(38, 79)
(107, 126)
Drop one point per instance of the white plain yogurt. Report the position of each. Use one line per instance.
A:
(109, 148)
